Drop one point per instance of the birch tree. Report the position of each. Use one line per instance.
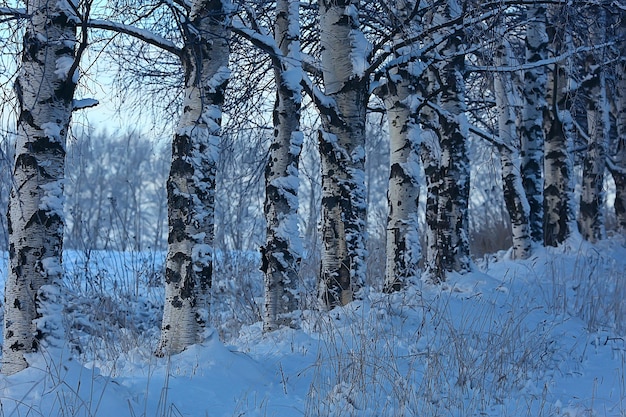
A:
(282, 252)
(557, 192)
(451, 250)
(617, 163)
(45, 90)
(514, 195)
(430, 155)
(342, 151)
(403, 249)
(534, 107)
(590, 215)
(191, 182)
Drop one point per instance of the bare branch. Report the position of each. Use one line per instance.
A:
(537, 64)
(13, 14)
(138, 33)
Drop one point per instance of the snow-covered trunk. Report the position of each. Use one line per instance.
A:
(403, 245)
(534, 88)
(403, 250)
(619, 154)
(282, 252)
(590, 215)
(452, 247)
(191, 182)
(557, 192)
(514, 195)
(342, 151)
(45, 89)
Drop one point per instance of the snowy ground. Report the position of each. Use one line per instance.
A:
(542, 337)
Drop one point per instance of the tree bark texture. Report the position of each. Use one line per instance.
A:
(514, 194)
(283, 249)
(45, 89)
(557, 191)
(430, 155)
(403, 248)
(342, 151)
(590, 215)
(452, 247)
(191, 182)
(403, 245)
(558, 221)
(619, 149)
(534, 107)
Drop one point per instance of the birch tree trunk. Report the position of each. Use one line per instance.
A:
(618, 169)
(342, 150)
(403, 245)
(452, 248)
(535, 105)
(403, 248)
(557, 192)
(430, 154)
(514, 195)
(282, 252)
(45, 89)
(590, 215)
(191, 182)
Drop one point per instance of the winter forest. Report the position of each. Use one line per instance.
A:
(316, 208)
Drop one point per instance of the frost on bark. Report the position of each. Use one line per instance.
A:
(45, 89)
(618, 166)
(534, 107)
(514, 195)
(282, 252)
(590, 215)
(403, 248)
(191, 182)
(451, 226)
(342, 151)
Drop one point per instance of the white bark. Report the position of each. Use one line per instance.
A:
(342, 153)
(557, 171)
(590, 215)
(452, 247)
(514, 195)
(535, 105)
(191, 184)
(403, 251)
(45, 89)
(403, 245)
(283, 249)
(557, 192)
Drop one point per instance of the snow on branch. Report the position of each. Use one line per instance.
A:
(141, 34)
(542, 63)
(614, 168)
(493, 139)
(264, 42)
(84, 103)
(451, 26)
(13, 13)
(324, 104)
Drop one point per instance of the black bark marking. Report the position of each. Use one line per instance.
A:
(44, 218)
(45, 144)
(17, 346)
